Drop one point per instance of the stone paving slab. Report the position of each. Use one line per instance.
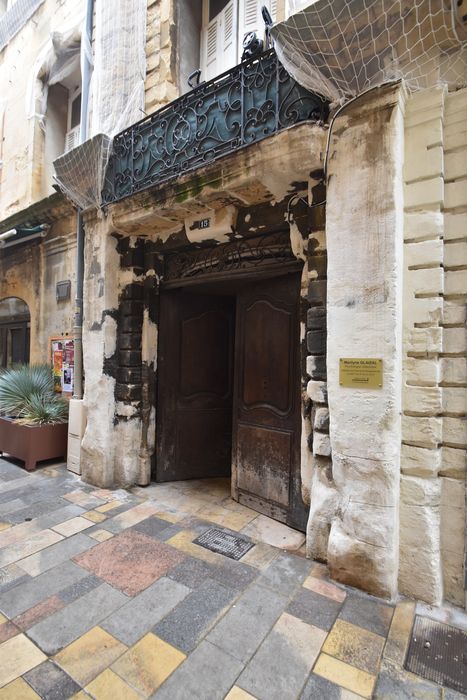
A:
(69, 623)
(283, 662)
(244, 627)
(105, 596)
(42, 561)
(189, 622)
(51, 682)
(25, 595)
(134, 619)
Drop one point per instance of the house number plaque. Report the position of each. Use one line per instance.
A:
(361, 372)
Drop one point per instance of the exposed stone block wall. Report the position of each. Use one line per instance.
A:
(435, 376)
(315, 431)
(161, 66)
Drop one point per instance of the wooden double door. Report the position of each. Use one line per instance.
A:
(229, 391)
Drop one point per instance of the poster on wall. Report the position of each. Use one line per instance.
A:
(67, 379)
(63, 362)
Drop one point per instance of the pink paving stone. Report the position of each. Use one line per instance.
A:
(130, 561)
(7, 631)
(324, 588)
(39, 612)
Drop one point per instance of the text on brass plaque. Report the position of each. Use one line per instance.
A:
(361, 372)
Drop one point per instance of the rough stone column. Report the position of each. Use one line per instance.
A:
(364, 233)
(99, 343)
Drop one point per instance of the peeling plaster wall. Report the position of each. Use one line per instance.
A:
(120, 350)
(364, 241)
(124, 255)
(434, 433)
(99, 343)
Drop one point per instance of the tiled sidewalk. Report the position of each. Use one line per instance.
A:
(105, 595)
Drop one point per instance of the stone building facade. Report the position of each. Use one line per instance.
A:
(304, 270)
(32, 133)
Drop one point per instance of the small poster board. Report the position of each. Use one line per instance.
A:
(62, 355)
(361, 372)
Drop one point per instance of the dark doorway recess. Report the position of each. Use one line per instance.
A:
(229, 387)
(14, 332)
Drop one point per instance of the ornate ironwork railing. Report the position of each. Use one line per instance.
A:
(250, 102)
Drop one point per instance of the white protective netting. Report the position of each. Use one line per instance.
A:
(117, 97)
(59, 57)
(341, 48)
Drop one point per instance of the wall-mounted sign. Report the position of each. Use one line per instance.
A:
(63, 290)
(361, 372)
(202, 223)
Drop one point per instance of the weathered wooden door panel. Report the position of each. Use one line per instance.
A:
(266, 455)
(195, 386)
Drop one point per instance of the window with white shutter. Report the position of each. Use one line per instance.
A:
(219, 42)
(210, 47)
(251, 20)
(73, 119)
(229, 36)
(223, 33)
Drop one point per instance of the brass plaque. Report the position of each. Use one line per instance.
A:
(361, 372)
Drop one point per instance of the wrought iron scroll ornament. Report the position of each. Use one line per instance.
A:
(242, 106)
(244, 254)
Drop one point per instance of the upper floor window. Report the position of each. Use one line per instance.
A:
(73, 119)
(225, 24)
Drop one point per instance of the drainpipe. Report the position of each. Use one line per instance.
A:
(86, 59)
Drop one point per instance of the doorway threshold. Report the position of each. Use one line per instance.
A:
(210, 500)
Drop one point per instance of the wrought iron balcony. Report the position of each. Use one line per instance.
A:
(250, 102)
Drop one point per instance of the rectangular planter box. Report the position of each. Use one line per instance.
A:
(33, 443)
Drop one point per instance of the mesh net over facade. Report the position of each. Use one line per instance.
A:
(341, 48)
(15, 18)
(117, 97)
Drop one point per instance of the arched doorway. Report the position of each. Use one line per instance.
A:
(15, 321)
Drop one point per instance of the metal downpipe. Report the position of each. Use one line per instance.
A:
(86, 61)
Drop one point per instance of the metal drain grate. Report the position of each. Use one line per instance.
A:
(224, 543)
(438, 653)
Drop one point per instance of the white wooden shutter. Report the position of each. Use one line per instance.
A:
(251, 20)
(219, 42)
(229, 36)
(72, 139)
(211, 46)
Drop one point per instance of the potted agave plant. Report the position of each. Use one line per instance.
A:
(33, 419)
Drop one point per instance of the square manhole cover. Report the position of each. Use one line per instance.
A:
(438, 652)
(224, 543)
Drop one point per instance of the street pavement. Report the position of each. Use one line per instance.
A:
(104, 594)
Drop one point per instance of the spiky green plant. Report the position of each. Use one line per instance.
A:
(27, 393)
(41, 410)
